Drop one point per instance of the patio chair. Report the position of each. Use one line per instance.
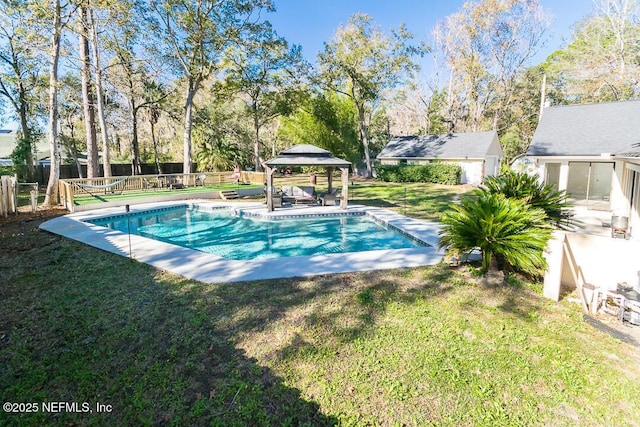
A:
(175, 183)
(328, 199)
(277, 196)
(200, 179)
(147, 184)
(299, 194)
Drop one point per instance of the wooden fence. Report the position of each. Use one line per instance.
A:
(8, 200)
(69, 188)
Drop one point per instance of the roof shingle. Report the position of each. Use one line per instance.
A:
(588, 130)
(473, 145)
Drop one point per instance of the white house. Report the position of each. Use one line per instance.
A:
(8, 142)
(593, 152)
(478, 153)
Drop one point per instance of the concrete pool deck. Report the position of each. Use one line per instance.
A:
(210, 268)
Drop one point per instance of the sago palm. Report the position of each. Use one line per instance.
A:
(509, 229)
(528, 189)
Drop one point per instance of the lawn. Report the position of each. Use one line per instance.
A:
(420, 346)
(81, 198)
(412, 199)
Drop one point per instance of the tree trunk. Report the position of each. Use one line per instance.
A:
(93, 168)
(543, 95)
(136, 168)
(51, 195)
(26, 130)
(364, 138)
(106, 155)
(155, 144)
(188, 121)
(256, 143)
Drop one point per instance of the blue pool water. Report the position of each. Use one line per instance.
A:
(221, 232)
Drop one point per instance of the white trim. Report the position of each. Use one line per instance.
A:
(633, 167)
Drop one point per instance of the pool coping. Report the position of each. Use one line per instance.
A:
(211, 268)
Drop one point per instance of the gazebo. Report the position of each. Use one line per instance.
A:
(308, 155)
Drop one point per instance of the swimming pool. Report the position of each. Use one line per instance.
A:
(212, 268)
(226, 233)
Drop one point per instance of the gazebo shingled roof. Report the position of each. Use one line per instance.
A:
(308, 155)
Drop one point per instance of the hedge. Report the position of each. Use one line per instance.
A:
(438, 173)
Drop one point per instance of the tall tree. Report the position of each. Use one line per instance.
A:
(519, 119)
(155, 99)
(93, 167)
(327, 120)
(602, 63)
(365, 64)
(222, 135)
(196, 34)
(20, 81)
(485, 45)
(69, 117)
(132, 79)
(267, 72)
(93, 24)
(53, 12)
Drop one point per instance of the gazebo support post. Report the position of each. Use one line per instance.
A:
(345, 188)
(307, 155)
(269, 194)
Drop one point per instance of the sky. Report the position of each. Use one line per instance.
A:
(310, 23)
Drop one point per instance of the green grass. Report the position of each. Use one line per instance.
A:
(421, 346)
(424, 201)
(417, 200)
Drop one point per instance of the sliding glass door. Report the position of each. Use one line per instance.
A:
(590, 183)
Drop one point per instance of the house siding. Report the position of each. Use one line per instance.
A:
(477, 153)
(625, 193)
(473, 171)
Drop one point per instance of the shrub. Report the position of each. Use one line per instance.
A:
(509, 229)
(7, 170)
(527, 188)
(437, 173)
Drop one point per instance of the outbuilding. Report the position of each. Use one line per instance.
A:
(478, 153)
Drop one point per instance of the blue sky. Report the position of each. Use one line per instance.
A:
(310, 23)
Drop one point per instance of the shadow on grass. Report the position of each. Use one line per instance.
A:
(341, 307)
(611, 331)
(161, 349)
(85, 326)
(419, 200)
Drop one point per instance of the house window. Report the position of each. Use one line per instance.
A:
(553, 175)
(590, 183)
